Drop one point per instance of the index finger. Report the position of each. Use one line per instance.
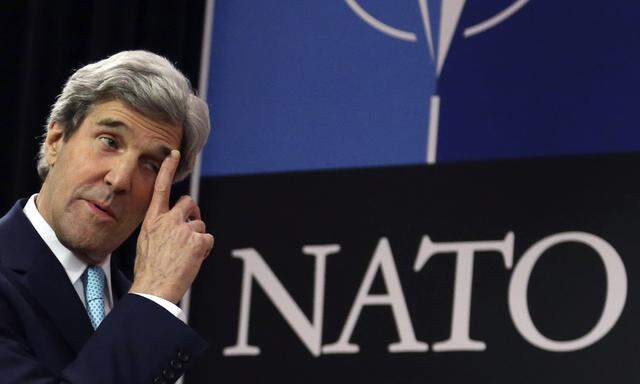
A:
(160, 199)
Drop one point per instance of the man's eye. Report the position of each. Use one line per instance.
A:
(153, 166)
(108, 141)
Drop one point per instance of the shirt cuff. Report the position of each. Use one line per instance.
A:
(166, 304)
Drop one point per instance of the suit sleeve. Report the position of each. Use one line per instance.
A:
(138, 342)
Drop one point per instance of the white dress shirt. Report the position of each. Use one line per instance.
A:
(74, 267)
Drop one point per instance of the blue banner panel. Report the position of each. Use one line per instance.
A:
(303, 85)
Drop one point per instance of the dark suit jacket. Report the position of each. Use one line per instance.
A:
(45, 332)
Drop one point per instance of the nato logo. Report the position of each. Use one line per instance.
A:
(447, 19)
(363, 83)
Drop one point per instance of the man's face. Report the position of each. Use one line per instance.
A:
(102, 177)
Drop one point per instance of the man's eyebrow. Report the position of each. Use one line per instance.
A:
(112, 123)
(161, 149)
(166, 151)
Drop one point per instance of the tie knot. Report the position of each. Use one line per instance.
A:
(93, 279)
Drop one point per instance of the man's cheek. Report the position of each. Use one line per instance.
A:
(138, 216)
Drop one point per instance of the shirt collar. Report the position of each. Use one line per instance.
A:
(73, 266)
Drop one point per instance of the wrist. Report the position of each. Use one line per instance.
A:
(155, 290)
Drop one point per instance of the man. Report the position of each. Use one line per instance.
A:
(122, 130)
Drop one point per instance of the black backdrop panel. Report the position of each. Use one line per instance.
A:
(277, 215)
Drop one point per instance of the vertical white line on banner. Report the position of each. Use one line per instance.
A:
(434, 115)
(194, 187)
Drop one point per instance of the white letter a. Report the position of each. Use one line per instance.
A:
(383, 260)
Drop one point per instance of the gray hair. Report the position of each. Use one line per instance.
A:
(148, 83)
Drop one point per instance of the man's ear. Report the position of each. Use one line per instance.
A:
(53, 142)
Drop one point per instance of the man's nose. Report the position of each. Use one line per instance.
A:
(120, 174)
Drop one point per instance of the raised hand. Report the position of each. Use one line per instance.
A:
(172, 242)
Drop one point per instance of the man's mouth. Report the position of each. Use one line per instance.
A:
(101, 209)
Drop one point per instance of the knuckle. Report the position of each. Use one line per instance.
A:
(149, 224)
(204, 240)
(177, 213)
(186, 228)
(161, 185)
(197, 225)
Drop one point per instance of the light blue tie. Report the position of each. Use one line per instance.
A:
(93, 279)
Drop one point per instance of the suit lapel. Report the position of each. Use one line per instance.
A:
(50, 286)
(45, 279)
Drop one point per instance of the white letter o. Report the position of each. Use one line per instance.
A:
(614, 302)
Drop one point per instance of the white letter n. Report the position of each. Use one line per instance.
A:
(256, 268)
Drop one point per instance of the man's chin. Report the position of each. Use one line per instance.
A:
(86, 251)
(93, 256)
(94, 259)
